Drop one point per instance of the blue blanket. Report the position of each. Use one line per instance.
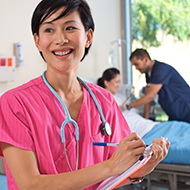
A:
(178, 133)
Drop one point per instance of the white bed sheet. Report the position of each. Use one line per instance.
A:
(137, 123)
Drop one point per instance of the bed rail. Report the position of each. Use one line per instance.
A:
(171, 172)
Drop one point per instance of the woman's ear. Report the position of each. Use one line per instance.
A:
(106, 83)
(89, 38)
(36, 40)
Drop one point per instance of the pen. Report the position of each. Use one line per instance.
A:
(104, 144)
(107, 144)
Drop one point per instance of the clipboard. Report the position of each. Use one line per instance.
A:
(115, 181)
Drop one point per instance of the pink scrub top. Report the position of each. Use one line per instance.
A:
(31, 118)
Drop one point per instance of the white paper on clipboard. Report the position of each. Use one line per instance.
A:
(113, 182)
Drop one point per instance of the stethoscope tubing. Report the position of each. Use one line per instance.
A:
(94, 98)
(67, 115)
(68, 118)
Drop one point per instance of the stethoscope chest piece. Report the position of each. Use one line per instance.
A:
(105, 129)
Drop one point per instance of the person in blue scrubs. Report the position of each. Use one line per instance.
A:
(164, 80)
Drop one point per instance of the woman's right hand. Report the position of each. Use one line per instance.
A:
(127, 153)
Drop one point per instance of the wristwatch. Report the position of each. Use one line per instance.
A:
(135, 180)
(128, 106)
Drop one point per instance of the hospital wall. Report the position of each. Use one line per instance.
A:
(15, 19)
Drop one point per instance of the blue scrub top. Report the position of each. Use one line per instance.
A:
(174, 96)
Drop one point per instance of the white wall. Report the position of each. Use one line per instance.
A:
(15, 22)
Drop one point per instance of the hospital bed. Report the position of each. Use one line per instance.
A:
(174, 174)
(175, 168)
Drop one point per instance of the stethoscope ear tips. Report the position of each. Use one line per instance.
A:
(105, 128)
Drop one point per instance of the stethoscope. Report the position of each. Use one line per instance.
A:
(105, 127)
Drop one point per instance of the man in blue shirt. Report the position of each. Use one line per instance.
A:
(164, 80)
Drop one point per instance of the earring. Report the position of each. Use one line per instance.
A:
(87, 44)
(38, 48)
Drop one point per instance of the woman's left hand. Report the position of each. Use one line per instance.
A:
(160, 148)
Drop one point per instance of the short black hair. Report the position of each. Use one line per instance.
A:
(140, 54)
(48, 7)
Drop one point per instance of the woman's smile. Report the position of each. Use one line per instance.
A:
(62, 53)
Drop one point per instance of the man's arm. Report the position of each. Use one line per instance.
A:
(147, 110)
(153, 90)
(147, 106)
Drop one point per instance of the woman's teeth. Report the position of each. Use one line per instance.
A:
(62, 53)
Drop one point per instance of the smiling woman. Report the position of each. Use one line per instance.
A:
(60, 110)
(70, 31)
(47, 23)
(110, 80)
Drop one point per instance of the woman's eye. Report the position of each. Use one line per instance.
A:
(70, 28)
(48, 30)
